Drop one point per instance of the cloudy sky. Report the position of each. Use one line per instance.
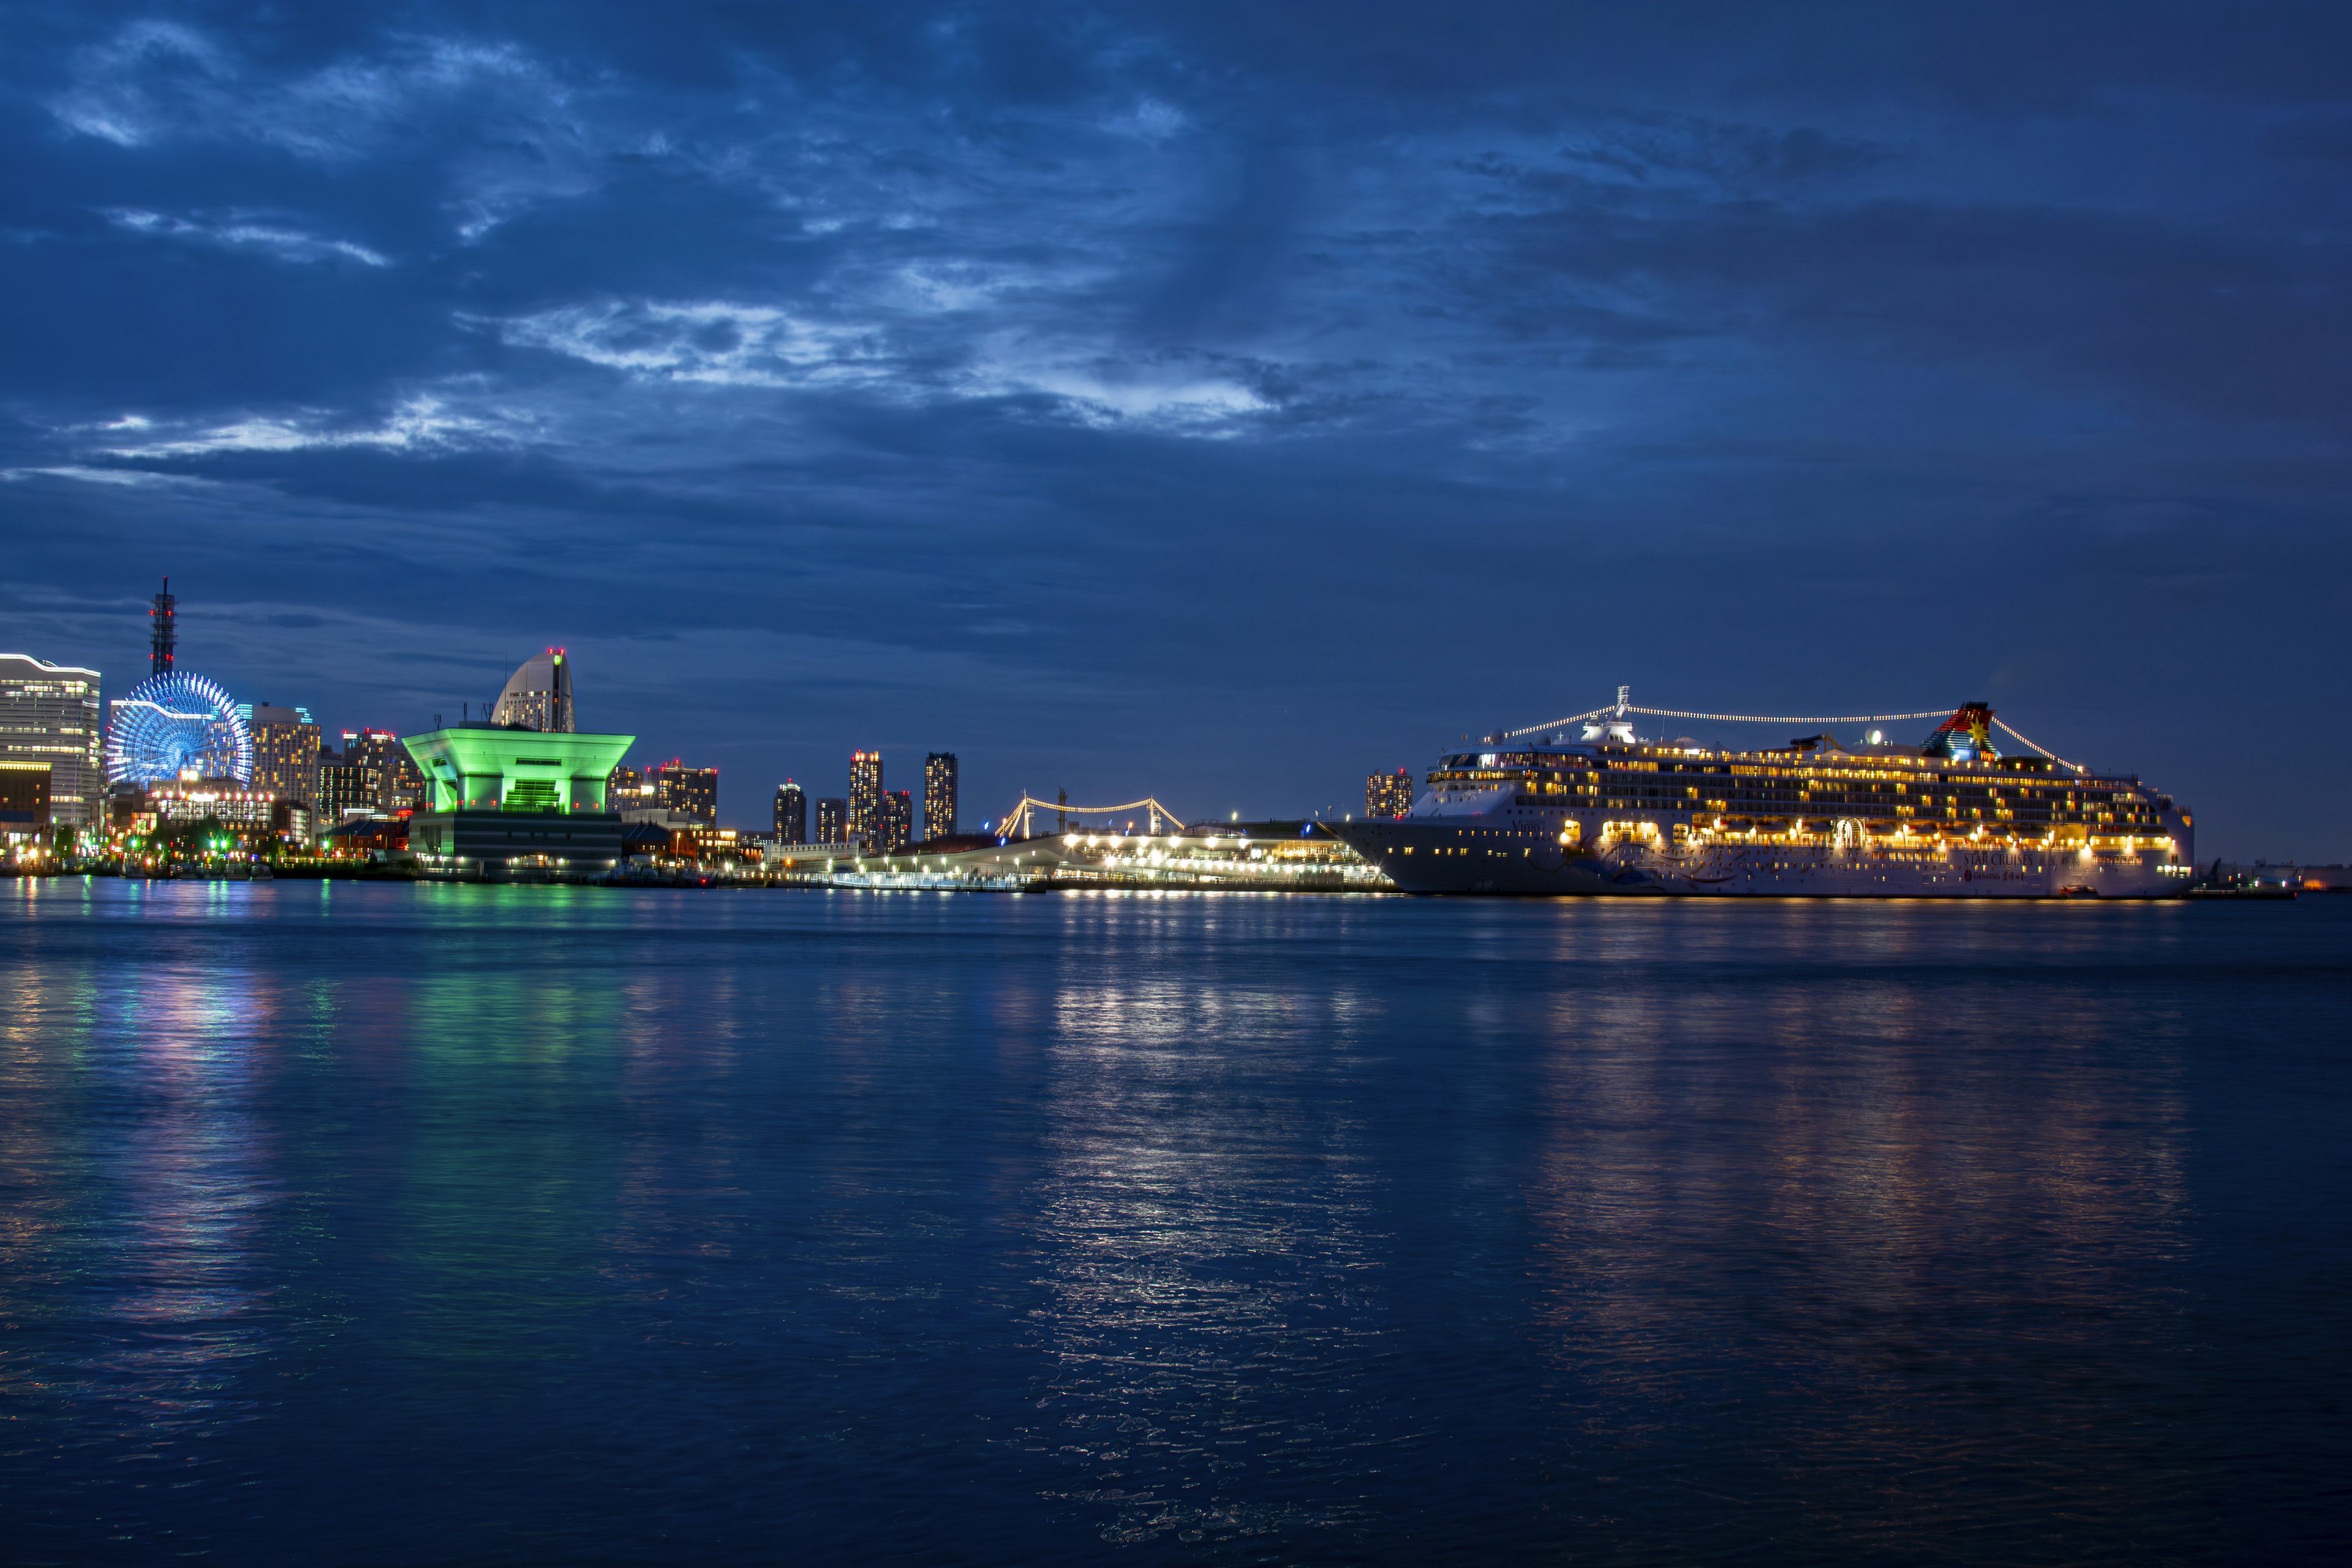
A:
(1220, 400)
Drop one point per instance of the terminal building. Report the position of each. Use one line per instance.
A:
(513, 802)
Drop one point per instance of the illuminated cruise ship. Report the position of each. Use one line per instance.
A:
(1607, 812)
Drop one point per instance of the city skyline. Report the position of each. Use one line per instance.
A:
(1824, 361)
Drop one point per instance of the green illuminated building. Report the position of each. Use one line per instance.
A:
(510, 801)
(484, 768)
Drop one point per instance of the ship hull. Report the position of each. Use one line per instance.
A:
(1464, 856)
(1454, 854)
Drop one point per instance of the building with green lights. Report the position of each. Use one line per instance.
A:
(509, 800)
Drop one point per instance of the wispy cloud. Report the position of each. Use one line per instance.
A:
(248, 234)
(714, 342)
(733, 344)
(419, 424)
(155, 81)
(128, 479)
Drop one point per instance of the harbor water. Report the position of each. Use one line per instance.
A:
(407, 1223)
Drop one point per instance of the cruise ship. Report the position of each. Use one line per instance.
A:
(1606, 812)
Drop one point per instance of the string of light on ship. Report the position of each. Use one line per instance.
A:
(1612, 710)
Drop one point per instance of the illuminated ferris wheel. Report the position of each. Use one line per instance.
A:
(174, 721)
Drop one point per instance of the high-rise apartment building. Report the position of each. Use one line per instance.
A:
(628, 789)
(400, 783)
(792, 814)
(940, 795)
(686, 791)
(865, 794)
(1389, 795)
(895, 833)
(50, 713)
(285, 753)
(832, 820)
(349, 785)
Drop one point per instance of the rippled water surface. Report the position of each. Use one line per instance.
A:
(375, 1224)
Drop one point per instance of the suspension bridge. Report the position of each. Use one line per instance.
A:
(1156, 818)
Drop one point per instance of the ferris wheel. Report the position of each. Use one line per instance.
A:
(172, 722)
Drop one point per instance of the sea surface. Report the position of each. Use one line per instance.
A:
(387, 1224)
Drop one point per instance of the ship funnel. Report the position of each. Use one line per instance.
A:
(1966, 736)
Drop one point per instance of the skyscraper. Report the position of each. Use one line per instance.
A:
(832, 820)
(686, 792)
(537, 695)
(50, 713)
(865, 793)
(895, 834)
(792, 814)
(1389, 795)
(940, 795)
(284, 754)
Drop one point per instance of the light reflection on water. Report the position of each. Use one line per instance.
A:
(513, 1224)
(1207, 1254)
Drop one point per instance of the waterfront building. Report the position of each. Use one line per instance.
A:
(792, 814)
(506, 802)
(285, 753)
(167, 803)
(369, 835)
(49, 715)
(865, 793)
(688, 792)
(24, 800)
(1389, 795)
(537, 695)
(832, 820)
(894, 834)
(399, 786)
(722, 847)
(940, 795)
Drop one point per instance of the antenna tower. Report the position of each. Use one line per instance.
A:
(163, 632)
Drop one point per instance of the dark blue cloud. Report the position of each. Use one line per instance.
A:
(1220, 400)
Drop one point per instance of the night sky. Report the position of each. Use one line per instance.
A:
(1221, 401)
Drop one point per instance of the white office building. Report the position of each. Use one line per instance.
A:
(50, 713)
